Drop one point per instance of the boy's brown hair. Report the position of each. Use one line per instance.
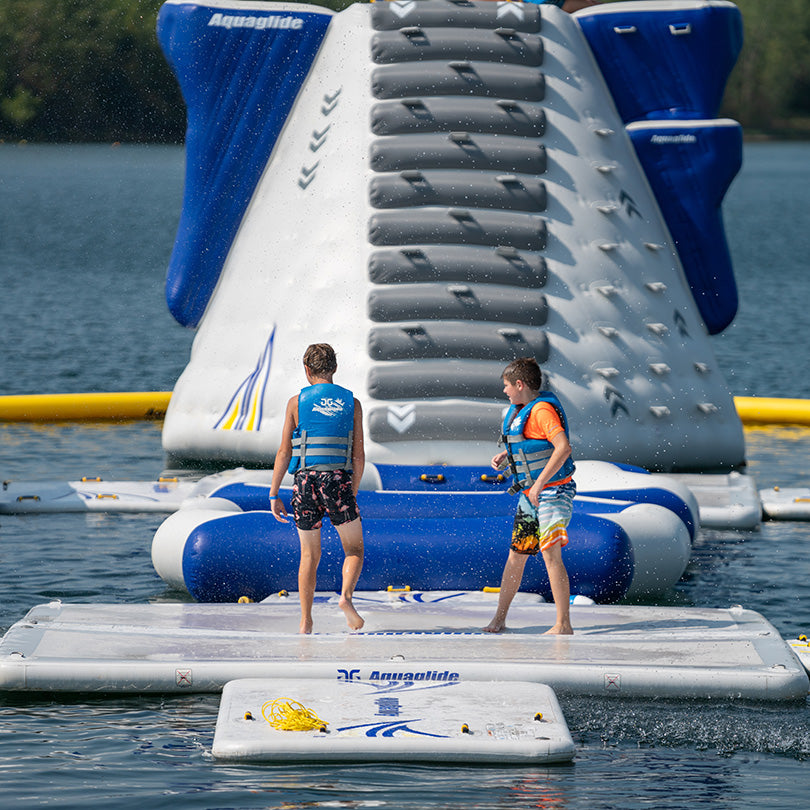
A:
(320, 359)
(526, 369)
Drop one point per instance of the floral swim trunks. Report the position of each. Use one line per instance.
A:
(323, 492)
(537, 529)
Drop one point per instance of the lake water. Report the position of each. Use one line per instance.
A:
(84, 242)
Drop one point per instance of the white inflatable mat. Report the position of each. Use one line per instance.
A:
(446, 721)
(616, 650)
(801, 646)
(725, 501)
(786, 503)
(94, 495)
(166, 494)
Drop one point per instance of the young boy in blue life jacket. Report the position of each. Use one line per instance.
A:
(322, 443)
(538, 454)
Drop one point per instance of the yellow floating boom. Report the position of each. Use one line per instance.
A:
(771, 411)
(148, 405)
(116, 407)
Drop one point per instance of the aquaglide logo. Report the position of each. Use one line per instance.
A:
(681, 138)
(413, 677)
(273, 22)
(329, 406)
(428, 675)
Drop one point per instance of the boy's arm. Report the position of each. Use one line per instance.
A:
(282, 459)
(358, 447)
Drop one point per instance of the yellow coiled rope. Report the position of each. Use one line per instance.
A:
(289, 715)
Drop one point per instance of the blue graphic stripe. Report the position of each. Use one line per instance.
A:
(391, 729)
(248, 386)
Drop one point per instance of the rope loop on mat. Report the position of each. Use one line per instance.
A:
(289, 715)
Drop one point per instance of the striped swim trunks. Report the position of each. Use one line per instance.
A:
(536, 529)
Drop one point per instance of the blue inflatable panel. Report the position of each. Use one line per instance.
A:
(240, 71)
(660, 497)
(443, 487)
(395, 478)
(690, 167)
(631, 468)
(251, 554)
(665, 62)
(440, 478)
(373, 504)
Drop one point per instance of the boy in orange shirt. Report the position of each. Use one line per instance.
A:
(538, 454)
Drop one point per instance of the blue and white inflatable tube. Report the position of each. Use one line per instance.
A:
(633, 540)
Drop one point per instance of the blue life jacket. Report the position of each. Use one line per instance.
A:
(528, 457)
(322, 440)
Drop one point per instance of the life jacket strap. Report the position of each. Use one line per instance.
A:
(342, 452)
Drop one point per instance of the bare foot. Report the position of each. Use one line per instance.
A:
(495, 626)
(306, 627)
(353, 618)
(560, 630)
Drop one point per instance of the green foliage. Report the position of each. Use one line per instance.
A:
(91, 70)
(19, 108)
(85, 70)
(769, 89)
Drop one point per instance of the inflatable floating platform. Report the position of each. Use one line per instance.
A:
(435, 529)
(801, 646)
(94, 495)
(484, 722)
(786, 503)
(167, 493)
(437, 187)
(408, 637)
(438, 527)
(726, 500)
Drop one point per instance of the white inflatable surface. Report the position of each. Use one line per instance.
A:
(725, 501)
(616, 650)
(165, 494)
(452, 721)
(94, 495)
(786, 503)
(801, 646)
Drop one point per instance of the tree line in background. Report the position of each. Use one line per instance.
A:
(91, 70)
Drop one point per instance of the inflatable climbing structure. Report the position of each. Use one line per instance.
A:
(438, 186)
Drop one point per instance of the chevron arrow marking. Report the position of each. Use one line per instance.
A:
(506, 8)
(616, 401)
(680, 323)
(629, 203)
(401, 417)
(402, 8)
(307, 175)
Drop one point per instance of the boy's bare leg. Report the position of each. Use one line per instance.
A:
(351, 536)
(560, 590)
(307, 572)
(510, 584)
